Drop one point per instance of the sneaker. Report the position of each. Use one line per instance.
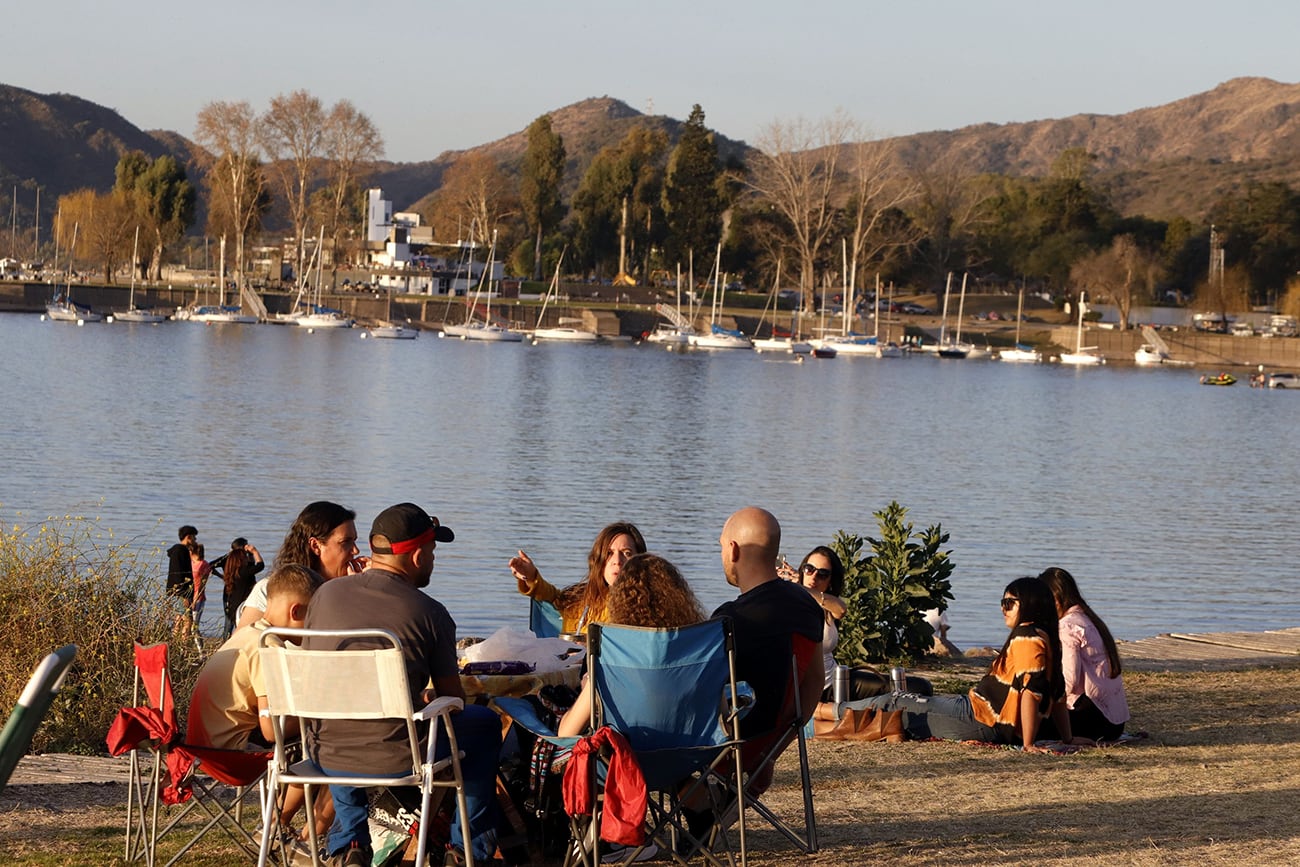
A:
(618, 853)
(353, 856)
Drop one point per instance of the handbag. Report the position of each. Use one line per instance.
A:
(857, 725)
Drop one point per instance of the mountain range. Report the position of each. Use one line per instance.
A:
(1162, 161)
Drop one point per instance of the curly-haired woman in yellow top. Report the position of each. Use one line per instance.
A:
(584, 602)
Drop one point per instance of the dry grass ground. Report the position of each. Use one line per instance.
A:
(1216, 783)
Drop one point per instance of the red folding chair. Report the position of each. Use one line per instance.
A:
(179, 773)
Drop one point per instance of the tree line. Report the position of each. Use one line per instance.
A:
(817, 205)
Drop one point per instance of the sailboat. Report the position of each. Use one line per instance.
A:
(487, 329)
(1020, 353)
(718, 336)
(222, 314)
(321, 316)
(677, 333)
(888, 349)
(1082, 355)
(133, 313)
(779, 342)
(563, 332)
(388, 329)
(953, 347)
(1154, 351)
(62, 308)
(847, 342)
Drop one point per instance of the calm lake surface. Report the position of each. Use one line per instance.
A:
(1170, 502)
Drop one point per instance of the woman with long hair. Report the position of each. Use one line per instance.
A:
(324, 539)
(239, 570)
(822, 574)
(1023, 687)
(650, 592)
(1090, 664)
(584, 602)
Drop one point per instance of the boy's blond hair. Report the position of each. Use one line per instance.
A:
(294, 581)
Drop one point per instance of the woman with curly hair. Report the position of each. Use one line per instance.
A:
(584, 602)
(651, 593)
(324, 539)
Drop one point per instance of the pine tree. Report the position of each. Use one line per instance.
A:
(692, 201)
(539, 186)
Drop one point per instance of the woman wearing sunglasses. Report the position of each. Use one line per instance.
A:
(822, 574)
(1024, 685)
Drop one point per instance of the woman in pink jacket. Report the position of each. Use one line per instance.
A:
(1094, 689)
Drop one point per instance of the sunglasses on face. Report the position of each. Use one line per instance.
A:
(1009, 602)
(822, 574)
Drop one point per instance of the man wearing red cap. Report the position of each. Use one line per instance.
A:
(388, 595)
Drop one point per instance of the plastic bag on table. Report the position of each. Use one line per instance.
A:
(511, 643)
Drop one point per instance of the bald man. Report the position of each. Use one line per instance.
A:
(765, 617)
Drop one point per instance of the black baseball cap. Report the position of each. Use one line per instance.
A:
(406, 527)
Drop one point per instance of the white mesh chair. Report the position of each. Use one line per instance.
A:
(356, 684)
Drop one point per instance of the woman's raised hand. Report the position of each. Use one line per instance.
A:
(525, 571)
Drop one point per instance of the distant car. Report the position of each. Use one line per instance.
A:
(915, 309)
(1284, 380)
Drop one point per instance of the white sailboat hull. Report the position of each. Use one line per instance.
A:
(1022, 356)
(139, 316)
(490, 333)
(570, 335)
(1082, 358)
(720, 341)
(848, 346)
(670, 337)
(1145, 356)
(783, 344)
(392, 332)
(323, 320)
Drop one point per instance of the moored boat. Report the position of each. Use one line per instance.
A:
(1220, 378)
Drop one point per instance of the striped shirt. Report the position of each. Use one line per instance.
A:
(1025, 666)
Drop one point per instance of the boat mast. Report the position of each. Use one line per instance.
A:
(847, 300)
(943, 321)
(1020, 310)
(221, 274)
(961, 305)
(1078, 334)
(875, 311)
(135, 251)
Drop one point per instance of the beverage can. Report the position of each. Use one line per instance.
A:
(898, 678)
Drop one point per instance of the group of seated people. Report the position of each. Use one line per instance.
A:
(1059, 662)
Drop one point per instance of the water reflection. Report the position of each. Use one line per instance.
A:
(1161, 496)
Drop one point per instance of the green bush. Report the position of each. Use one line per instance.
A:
(62, 582)
(889, 590)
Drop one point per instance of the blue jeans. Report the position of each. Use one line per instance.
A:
(949, 717)
(478, 734)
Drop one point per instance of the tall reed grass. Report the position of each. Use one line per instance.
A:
(64, 580)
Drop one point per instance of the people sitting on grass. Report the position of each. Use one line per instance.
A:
(227, 708)
(822, 574)
(1094, 689)
(584, 602)
(1024, 685)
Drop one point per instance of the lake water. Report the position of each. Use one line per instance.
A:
(1169, 501)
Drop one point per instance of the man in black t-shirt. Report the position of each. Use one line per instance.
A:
(180, 574)
(766, 618)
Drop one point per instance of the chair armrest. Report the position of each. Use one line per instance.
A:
(439, 706)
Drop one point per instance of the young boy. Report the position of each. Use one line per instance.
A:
(230, 692)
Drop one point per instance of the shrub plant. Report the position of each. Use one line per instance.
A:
(62, 582)
(888, 590)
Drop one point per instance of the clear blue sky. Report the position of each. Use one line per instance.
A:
(435, 76)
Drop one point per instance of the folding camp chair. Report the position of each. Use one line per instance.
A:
(544, 619)
(671, 694)
(367, 683)
(31, 708)
(179, 773)
(760, 752)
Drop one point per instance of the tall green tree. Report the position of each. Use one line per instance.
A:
(693, 201)
(617, 206)
(163, 200)
(1259, 228)
(539, 184)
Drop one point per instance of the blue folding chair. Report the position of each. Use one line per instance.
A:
(544, 619)
(31, 709)
(672, 695)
